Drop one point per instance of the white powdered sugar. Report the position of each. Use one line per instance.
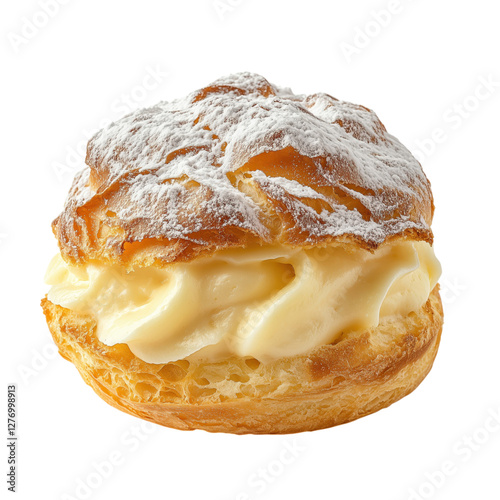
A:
(165, 171)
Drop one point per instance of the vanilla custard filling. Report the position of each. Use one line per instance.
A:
(262, 302)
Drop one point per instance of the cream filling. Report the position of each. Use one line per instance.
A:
(262, 302)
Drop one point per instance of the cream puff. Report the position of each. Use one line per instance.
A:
(247, 260)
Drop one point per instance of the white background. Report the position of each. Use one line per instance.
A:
(422, 68)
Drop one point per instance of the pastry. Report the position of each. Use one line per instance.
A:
(247, 260)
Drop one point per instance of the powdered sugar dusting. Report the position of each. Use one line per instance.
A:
(168, 171)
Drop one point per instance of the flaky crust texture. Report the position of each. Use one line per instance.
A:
(238, 162)
(333, 384)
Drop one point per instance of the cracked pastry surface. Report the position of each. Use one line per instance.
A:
(240, 162)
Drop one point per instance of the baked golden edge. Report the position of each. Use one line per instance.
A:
(331, 385)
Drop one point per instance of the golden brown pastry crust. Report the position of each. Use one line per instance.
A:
(240, 162)
(243, 162)
(333, 384)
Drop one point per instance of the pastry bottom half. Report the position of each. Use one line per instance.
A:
(359, 374)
